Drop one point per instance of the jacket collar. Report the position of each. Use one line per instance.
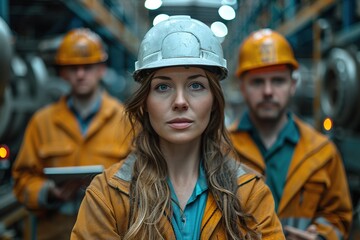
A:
(124, 171)
(120, 177)
(311, 144)
(62, 112)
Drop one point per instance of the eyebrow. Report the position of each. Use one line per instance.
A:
(161, 77)
(190, 77)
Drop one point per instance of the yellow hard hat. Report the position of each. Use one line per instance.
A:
(264, 48)
(80, 46)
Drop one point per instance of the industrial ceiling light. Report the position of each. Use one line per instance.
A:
(153, 4)
(219, 29)
(228, 2)
(227, 12)
(160, 18)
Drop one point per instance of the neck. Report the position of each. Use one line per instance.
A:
(269, 129)
(85, 105)
(183, 167)
(182, 159)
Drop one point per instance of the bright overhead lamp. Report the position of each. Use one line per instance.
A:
(227, 12)
(219, 29)
(160, 18)
(228, 2)
(153, 4)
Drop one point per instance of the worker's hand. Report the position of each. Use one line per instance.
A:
(292, 233)
(65, 192)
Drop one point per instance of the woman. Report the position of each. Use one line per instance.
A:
(180, 182)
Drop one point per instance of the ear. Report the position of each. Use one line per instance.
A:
(62, 73)
(241, 83)
(144, 107)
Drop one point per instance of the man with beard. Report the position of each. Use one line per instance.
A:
(301, 166)
(86, 127)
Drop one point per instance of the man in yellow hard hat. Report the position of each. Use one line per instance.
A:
(87, 127)
(301, 166)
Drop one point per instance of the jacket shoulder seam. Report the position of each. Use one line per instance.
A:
(99, 196)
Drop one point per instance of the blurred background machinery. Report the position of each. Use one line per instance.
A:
(325, 35)
(30, 32)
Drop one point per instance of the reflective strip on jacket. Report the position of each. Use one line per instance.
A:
(53, 139)
(316, 189)
(104, 212)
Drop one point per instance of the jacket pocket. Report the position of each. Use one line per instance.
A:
(53, 150)
(112, 151)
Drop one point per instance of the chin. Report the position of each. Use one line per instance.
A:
(268, 116)
(83, 94)
(182, 139)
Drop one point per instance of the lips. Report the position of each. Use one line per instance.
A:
(180, 123)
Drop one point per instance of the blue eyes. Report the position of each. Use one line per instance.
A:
(165, 87)
(162, 87)
(196, 86)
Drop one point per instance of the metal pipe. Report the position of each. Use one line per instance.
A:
(319, 27)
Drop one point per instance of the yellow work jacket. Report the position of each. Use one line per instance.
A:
(104, 212)
(316, 189)
(53, 139)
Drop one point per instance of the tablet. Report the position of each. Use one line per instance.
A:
(61, 174)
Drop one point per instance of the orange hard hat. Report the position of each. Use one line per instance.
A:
(80, 46)
(264, 48)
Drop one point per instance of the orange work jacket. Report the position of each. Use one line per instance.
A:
(53, 139)
(104, 212)
(316, 189)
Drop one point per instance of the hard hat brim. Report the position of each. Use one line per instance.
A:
(173, 62)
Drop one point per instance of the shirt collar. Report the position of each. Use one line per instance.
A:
(245, 123)
(202, 182)
(94, 108)
(289, 131)
(200, 186)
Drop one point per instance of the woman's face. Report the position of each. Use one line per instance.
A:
(179, 104)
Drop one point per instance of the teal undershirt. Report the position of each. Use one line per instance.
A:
(187, 223)
(278, 157)
(84, 123)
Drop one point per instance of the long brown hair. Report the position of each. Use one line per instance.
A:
(149, 193)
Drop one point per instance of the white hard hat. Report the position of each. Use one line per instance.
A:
(180, 40)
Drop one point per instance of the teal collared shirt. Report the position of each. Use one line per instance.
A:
(278, 156)
(187, 223)
(84, 123)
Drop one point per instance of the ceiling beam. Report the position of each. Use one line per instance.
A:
(304, 16)
(102, 16)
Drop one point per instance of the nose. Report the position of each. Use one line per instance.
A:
(268, 88)
(180, 102)
(80, 71)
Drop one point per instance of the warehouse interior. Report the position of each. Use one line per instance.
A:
(325, 36)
